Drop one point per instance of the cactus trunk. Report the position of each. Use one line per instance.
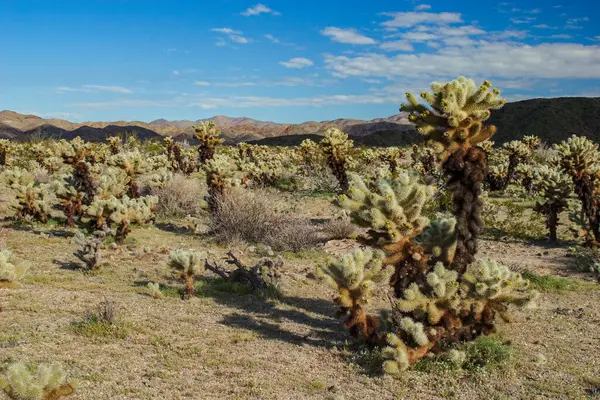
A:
(467, 168)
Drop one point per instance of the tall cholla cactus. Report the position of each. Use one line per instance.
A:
(45, 382)
(497, 176)
(450, 308)
(4, 146)
(580, 159)
(74, 151)
(219, 175)
(355, 277)
(337, 148)
(11, 268)
(454, 122)
(518, 152)
(392, 212)
(209, 136)
(554, 188)
(188, 264)
(30, 200)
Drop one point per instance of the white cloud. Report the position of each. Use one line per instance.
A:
(272, 38)
(544, 26)
(465, 30)
(524, 20)
(226, 31)
(176, 73)
(561, 36)
(419, 36)
(422, 7)
(201, 83)
(409, 19)
(509, 34)
(349, 36)
(489, 59)
(233, 35)
(94, 89)
(397, 45)
(297, 63)
(461, 41)
(259, 9)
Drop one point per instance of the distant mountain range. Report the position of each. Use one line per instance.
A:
(551, 119)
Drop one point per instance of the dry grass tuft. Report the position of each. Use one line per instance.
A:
(180, 197)
(253, 217)
(340, 228)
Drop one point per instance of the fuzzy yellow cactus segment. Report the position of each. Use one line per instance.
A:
(188, 264)
(455, 113)
(46, 382)
(15, 177)
(578, 156)
(518, 149)
(11, 268)
(443, 297)
(74, 151)
(439, 239)
(399, 356)
(497, 285)
(355, 275)
(487, 146)
(140, 210)
(159, 178)
(114, 143)
(393, 208)
(209, 136)
(134, 164)
(31, 201)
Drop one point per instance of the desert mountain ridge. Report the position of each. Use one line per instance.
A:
(552, 119)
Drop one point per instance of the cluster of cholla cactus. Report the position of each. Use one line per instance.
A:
(262, 165)
(338, 149)
(179, 159)
(210, 137)
(392, 157)
(554, 188)
(580, 159)
(122, 212)
(188, 265)
(435, 304)
(518, 153)
(453, 121)
(114, 143)
(12, 268)
(44, 382)
(219, 176)
(88, 249)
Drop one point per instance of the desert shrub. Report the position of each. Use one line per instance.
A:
(101, 322)
(339, 228)
(179, 197)
(253, 217)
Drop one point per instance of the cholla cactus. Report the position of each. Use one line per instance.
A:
(454, 122)
(71, 200)
(31, 201)
(134, 164)
(392, 212)
(154, 290)
(524, 176)
(580, 158)
(159, 178)
(424, 160)
(132, 211)
(497, 176)
(11, 268)
(45, 382)
(209, 136)
(531, 141)
(219, 175)
(486, 146)
(392, 156)
(88, 249)
(112, 181)
(4, 147)
(74, 151)
(439, 239)
(188, 264)
(554, 187)
(124, 212)
(518, 152)
(114, 143)
(453, 308)
(337, 148)
(355, 277)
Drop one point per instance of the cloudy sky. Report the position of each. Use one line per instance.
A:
(284, 61)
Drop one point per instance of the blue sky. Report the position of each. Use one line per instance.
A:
(283, 61)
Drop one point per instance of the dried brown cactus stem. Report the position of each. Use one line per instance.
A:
(467, 169)
(586, 192)
(409, 262)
